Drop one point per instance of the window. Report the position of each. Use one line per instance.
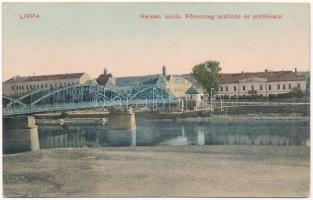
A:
(12, 87)
(261, 87)
(55, 84)
(26, 87)
(269, 87)
(41, 86)
(244, 88)
(252, 87)
(298, 85)
(226, 88)
(284, 86)
(235, 88)
(69, 84)
(30, 86)
(46, 85)
(289, 86)
(22, 87)
(278, 87)
(221, 89)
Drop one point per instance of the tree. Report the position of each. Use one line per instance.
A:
(207, 74)
(296, 92)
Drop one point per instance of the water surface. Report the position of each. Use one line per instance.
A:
(237, 132)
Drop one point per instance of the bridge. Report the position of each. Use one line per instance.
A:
(20, 127)
(86, 96)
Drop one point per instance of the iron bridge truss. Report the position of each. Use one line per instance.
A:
(86, 96)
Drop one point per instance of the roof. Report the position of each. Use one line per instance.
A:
(193, 90)
(270, 76)
(16, 79)
(136, 80)
(103, 79)
(177, 79)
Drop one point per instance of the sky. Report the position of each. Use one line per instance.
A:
(87, 37)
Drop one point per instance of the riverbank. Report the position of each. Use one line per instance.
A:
(99, 120)
(94, 117)
(170, 171)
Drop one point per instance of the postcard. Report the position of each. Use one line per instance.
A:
(156, 99)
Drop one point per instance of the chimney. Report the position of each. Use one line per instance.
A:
(164, 71)
(266, 70)
(241, 72)
(296, 70)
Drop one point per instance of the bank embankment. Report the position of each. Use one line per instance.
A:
(277, 112)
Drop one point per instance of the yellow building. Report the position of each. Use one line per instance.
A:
(20, 85)
(178, 85)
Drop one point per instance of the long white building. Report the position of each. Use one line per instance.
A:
(260, 83)
(21, 85)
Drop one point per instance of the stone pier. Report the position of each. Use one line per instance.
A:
(124, 120)
(122, 128)
(20, 134)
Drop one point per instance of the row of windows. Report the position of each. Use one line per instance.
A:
(261, 87)
(40, 86)
(178, 90)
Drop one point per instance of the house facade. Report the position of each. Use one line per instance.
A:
(260, 83)
(20, 85)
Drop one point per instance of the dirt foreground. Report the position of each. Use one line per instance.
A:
(167, 171)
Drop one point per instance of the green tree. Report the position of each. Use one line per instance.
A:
(296, 92)
(207, 74)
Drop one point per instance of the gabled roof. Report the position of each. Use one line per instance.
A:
(270, 76)
(193, 90)
(17, 79)
(177, 79)
(137, 80)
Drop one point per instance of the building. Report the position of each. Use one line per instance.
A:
(104, 78)
(176, 84)
(130, 83)
(194, 97)
(260, 83)
(20, 85)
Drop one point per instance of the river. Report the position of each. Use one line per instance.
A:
(155, 133)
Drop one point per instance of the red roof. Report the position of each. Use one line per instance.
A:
(43, 77)
(270, 76)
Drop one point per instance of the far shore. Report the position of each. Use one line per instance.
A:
(98, 120)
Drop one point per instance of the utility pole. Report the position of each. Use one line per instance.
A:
(212, 99)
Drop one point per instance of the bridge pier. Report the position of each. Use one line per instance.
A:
(122, 128)
(20, 134)
(122, 120)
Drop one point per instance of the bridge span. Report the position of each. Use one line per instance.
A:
(77, 97)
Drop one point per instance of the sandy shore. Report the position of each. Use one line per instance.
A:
(180, 171)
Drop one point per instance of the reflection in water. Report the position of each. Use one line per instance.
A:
(178, 133)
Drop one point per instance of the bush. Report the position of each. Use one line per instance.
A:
(272, 96)
(233, 97)
(296, 92)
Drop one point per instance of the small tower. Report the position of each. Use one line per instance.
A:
(164, 73)
(104, 78)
